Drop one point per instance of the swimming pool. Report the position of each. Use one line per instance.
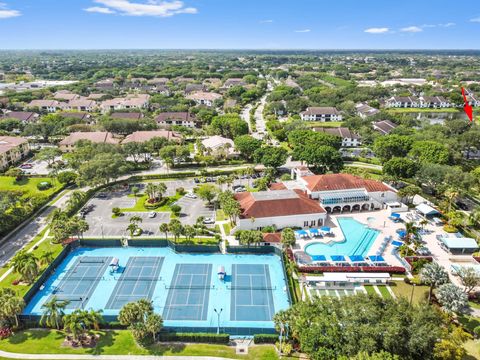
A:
(185, 288)
(358, 240)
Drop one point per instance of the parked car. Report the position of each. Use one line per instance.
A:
(196, 180)
(102, 195)
(137, 232)
(461, 205)
(152, 214)
(208, 221)
(26, 166)
(190, 195)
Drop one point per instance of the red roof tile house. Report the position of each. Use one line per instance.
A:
(281, 208)
(99, 137)
(346, 192)
(12, 150)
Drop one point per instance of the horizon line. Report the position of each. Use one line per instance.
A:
(238, 49)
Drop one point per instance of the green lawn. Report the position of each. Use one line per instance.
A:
(324, 123)
(140, 204)
(227, 228)
(28, 185)
(383, 290)
(469, 322)
(335, 80)
(473, 349)
(402, 289)
(370, 290)
(220, 215)
(121, 342)
(423, 110)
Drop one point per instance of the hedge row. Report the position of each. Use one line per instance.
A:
(209, 338)
(265, 338)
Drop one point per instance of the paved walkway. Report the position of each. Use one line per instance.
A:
(9, 355)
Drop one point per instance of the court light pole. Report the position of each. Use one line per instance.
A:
(218, 319)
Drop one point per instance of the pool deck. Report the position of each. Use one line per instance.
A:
(380, 221)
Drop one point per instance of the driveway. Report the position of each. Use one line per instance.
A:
(192, 209)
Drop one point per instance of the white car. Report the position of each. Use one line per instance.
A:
(208, 221)
(152, 214)
(191, 196)
(137, 232)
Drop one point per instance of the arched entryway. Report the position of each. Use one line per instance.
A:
(346, 208)
(328, 209)
(356, 207)
(365, 207)
(337, 209)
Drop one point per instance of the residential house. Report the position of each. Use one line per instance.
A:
(12, 150)
(472, 98)
(346, 192)
(127, 115)
(402, 102)
(186, 119)
(81, 104)
(65, 95)
(131, 101)
(95, 96)
(233, 82)
(322, 114)
(384, 127)
(281, 209)
(190, 88)
(144, 136)
(204, 98)
(46, 105)
(106, 84)
(83, 116)
(365, 111)
(23, 116)
(213, 82)
(349, 139)
(434, 102)
(97, 137)
(218, 146)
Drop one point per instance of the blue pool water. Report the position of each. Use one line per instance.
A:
(185, 288)
(358, 240)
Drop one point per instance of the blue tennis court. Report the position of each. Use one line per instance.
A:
(251, 293)
(81, 279)
(189, 292)
(137, 281)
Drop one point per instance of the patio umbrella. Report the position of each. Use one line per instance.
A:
(319, 258)
(338, 258)
(325, 229)
(395, 215)
(376, 258)
(356, 258)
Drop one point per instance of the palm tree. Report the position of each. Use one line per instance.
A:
(151, 191)
(26, 265)
(221, 180)
(131, 228)
(450, 194)
(12, 307)
(153, 324)
(474, 218)
(189, 232)
(176, 228)
(411, 230)
(95, 318)
(433, 275)
(53, 312)
(46, 257)
(165, 229)
(76, 197)
(136, 219)
(161, 189)
(288, 238)
(74, 324)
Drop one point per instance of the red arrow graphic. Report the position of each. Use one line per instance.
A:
(467, 107)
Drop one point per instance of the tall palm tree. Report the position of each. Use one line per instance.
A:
(12, 307)
(450, 195)
(25, 264)
(433, 275)
(46, 257)
(76, 197)
(74, 324)
(411, 230)
(131, 228)
(95, 318)
(53, 312)
(165, 229)
(474, 218)
(161, 189)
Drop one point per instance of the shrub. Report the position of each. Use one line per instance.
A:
(209, 338)
(180, 191)
(286, 348)
(176, 209)
(67, 177)
(265, 338)
(476, 331)
(116, 211)
(449, 228)
(156, 204)
(5, 332)
(44, 185)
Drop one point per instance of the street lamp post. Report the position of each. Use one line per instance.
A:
(411, 295)
(218, 319)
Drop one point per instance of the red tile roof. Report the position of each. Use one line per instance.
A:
(277, 186)
(272, 237)
(276, 203)
(329, 182)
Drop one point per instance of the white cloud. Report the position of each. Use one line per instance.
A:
(266, 21)
(303, 31)
(158, 8)
(98, 9)
(381, 30)
(477, 19)
(6, 13)
(449, 24)
(412, 29)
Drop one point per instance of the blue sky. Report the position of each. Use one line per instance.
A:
(239, 24)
